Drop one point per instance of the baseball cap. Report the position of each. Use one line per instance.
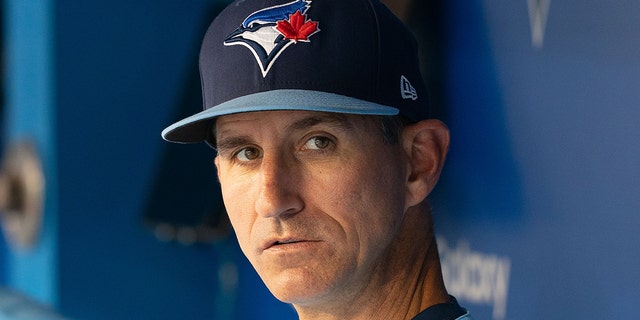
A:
(346, 56)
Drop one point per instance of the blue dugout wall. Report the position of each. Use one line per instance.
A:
(539, 205)
(536, 211)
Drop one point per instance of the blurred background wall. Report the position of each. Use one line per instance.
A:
(536, 212)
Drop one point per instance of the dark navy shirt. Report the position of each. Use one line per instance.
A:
(444, 311)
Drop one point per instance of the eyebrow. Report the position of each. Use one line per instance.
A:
(335, 120)
(222, 146)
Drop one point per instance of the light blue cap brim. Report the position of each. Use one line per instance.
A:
(195, 128)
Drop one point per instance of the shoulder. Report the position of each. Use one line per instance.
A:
(466, 316)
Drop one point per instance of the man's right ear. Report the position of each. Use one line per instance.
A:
(426, 144)
(216, 162)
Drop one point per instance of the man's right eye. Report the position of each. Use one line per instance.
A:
(247, 154)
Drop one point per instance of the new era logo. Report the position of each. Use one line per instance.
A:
(407, 90)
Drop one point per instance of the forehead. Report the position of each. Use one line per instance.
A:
(287, 120)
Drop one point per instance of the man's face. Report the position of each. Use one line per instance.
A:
(315, 199)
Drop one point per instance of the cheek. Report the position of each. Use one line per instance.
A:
(367, 202)
(236, 201)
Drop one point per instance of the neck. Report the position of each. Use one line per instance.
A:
(406, 281)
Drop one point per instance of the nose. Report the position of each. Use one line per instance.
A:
(278, 193)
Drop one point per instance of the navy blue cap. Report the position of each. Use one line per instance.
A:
(346, 56)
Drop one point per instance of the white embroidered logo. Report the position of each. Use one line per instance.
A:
(407, 90)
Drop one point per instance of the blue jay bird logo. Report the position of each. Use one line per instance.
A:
(268, 32)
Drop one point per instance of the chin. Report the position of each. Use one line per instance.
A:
(299, 287)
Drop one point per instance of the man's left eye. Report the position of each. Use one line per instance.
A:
(317, 143)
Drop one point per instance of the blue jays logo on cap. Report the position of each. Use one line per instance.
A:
(268, 32)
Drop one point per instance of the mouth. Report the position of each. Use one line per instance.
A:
(286, 242)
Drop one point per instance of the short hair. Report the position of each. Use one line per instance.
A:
(391, 127)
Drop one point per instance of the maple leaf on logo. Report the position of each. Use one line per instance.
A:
(297, 28)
